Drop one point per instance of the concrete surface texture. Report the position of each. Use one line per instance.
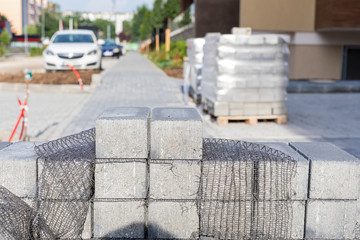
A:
(123, 133)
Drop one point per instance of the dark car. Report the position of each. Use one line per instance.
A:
(111, 49)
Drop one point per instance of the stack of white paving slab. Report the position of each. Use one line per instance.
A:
(245, 76)
(195, 58)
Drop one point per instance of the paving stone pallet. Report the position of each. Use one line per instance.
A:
(251, 113)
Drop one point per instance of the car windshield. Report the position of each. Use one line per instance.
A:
(109, 43)
(73, 38)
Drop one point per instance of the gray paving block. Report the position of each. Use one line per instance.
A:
(176, 133)
(119, 219)
(123, 133)
(173, 220)
(300, 181)
(237, 112)
(218, 108)
(334, 173)
(86, 234)
(298, 220)
(18, 169)
(177, 180)
(120, 180)
(329, 219)
(4, 144)
(263, 111)
(277, 111)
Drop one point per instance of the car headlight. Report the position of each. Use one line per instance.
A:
(116, 50)
(93, 52)
(49, 52)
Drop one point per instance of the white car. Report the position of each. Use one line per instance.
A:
(78, 48)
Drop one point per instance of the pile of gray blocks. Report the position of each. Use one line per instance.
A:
(147, 176)
(326, 191)
(245, 75)
(147, 173)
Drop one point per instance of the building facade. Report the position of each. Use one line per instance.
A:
(22, 12)
(325, 34)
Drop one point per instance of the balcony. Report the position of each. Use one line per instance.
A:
(337, 15)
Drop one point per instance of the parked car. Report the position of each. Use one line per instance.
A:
(111, 49)
(76, 47)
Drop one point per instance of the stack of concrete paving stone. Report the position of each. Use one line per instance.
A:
(195, 58)
(121, 172)
(245, 75)
(137, 196)
(176, 151)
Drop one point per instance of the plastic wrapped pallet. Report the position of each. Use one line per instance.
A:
(195, 59)
(245, 75)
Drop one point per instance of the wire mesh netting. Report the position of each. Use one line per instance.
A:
(15, 216)
(64, 190)
(245, 191)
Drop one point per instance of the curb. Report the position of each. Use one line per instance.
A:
(312, 87)
(51, 88)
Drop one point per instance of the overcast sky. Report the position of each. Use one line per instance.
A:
(101, 5)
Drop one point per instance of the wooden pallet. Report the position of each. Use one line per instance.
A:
(251, 120)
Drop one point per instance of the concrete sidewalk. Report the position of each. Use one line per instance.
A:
(134, 81)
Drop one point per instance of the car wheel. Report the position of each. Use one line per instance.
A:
(100, 67)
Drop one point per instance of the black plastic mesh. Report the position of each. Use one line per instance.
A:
(15, 216)
(66, 183)
(245, 191)
(65, 188)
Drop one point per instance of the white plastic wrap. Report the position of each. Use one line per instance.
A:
(246, 69)
(195, 60)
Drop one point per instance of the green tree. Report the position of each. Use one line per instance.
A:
(102, 24)
(33, 30)
(158, 16)
(158, 20)
(186, 20)
(4, 41)
(51, 23)
(138, 19)
(171, 10)
(145, 27)
(2, 17)
(127, 27)
(5, 37)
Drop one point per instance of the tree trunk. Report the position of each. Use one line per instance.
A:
(157, 43)
(167, 36)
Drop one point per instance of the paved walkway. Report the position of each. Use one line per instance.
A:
(134, 81)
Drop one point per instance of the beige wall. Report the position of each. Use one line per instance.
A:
(278, 15)
(11, 9)
(315, 62)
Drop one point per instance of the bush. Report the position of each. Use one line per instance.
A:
(35, 51)
(171, 59)
(2, 51)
